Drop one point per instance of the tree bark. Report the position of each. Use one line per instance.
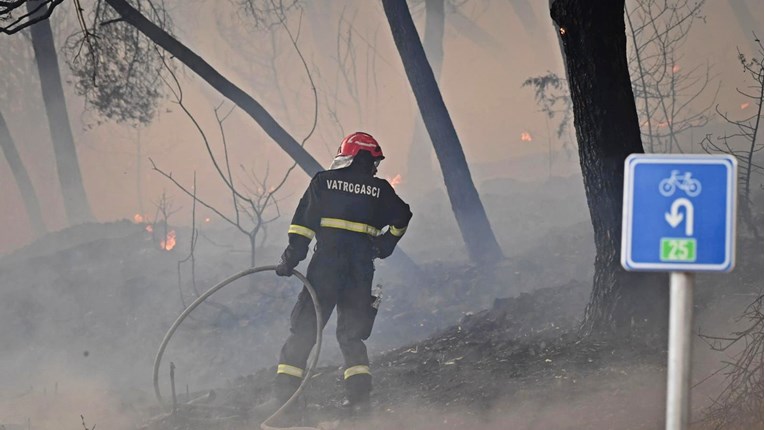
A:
(420, 171)
(75, 199)
(471, 217)
(607, 129)
(196, 63)
(31, 203)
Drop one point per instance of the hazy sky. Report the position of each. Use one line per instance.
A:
(489, 52)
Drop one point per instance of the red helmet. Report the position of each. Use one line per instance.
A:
(359, 141)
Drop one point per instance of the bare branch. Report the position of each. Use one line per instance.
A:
(265, 14)
(225, 154)
(193, 195)
(179, 100)
(742, 395)
(27, 19)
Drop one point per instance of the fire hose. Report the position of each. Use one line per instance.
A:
(312, 362)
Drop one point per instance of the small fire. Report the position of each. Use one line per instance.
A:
(744, 105)
(656, 123)
(138, 218)
(149, 228)
(207, 219)
(526, 136)
(169, 242)
(395, 180)
(675, 68)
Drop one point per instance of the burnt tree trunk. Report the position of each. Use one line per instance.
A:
(67, 164)
(31, 203)
(471, 217)
(420, 171)
(607, 130)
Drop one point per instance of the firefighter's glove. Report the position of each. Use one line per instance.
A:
(384, 245)
(288, 262)
(293, 254)
(284, 268)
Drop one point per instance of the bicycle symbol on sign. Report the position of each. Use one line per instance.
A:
(691, 186)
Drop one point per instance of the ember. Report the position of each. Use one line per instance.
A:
(169, 242)
(396, 180)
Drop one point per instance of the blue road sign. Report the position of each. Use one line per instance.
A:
(679, 212)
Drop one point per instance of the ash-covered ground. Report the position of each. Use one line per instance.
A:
(83, 311)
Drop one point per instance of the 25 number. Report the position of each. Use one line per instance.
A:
(678, 250)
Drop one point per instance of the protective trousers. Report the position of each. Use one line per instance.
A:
(344, 281)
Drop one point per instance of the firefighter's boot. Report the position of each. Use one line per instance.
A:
(284, 387)
(357, 396)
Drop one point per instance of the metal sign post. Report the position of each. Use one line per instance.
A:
(679, 217)
(679, 360)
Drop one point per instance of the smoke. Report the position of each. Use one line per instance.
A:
(82, 311)
(481, 83)
(631, 400)
(56, 398)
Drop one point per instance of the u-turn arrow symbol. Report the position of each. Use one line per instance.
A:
(674, 217)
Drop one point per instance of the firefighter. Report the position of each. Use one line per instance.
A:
(355, 217)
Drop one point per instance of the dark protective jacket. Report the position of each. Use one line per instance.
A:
(355, 217)
(348, 210)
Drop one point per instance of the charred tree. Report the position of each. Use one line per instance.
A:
(196, 63)
(471, 217)
(420, 168)
(31, 203)
(607, 130)
(67, 164)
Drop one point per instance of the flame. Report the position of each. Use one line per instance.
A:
(744, 105)
(149, 228)
(395, 180)
(659, 124)
(526, 136)
(207, 219)
(137, 218)
(169, 242)
(675, 68)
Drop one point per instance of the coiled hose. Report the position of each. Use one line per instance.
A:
(311, 365)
